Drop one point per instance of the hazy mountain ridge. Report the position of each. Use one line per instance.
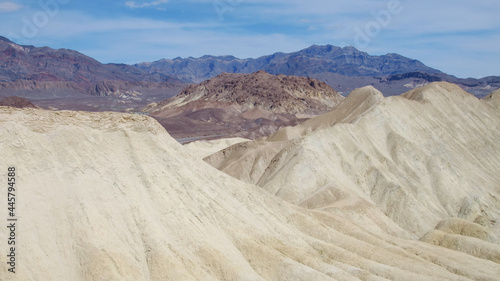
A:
(316, 59)
(58, 78)
(66, 79)
(47, 64)
(345, 69)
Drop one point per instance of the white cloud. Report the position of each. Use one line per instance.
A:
(135, 5)
(7, 7)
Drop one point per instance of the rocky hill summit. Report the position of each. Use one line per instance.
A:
(239, 103)
(278, 94)
(17, 102)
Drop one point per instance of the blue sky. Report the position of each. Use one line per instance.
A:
(459, 37)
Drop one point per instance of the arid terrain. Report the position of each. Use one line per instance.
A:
(66, 79)
(419, 158)
(344, 69)
(242, 105)
(398, 188)
(326, 163)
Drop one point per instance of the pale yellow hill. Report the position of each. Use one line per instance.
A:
(494, 98)
(202, 149)
(113, 197)
(412, 160)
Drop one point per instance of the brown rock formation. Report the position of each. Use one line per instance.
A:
(16, 102)
(244, 105)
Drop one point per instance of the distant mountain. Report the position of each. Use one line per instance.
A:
(346, 61)
(243, 105)
(342, 68)
(16, 102)
(67, 79)
(63, 75)
(47, 64)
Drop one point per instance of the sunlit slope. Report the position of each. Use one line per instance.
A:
(416, 159)
(113, 197)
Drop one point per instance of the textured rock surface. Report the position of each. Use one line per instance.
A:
(202, 149)
(243, 105)
(107, 196)
(426, 156)
(16, 102)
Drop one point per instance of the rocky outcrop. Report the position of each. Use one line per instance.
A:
(243, 105)
(17, 102)
(278, 94)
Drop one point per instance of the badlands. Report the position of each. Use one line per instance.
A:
(399, 188)
(242, 105)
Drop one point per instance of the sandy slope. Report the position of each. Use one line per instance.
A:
(202, 149)
(408, 161)
(113, 197)
(494, 98)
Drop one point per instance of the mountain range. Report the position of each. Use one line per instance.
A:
(21, 62)
(345, 69)
(67, 79)
(346, 61)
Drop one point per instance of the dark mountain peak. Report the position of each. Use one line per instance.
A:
(5, 39)
(6, 44)
(261, 72)
(350, 48)
(394, 55)
(354, 50)
(48, 64)
(312, 61)
(319, 50)
(398, 57)
(223, 58)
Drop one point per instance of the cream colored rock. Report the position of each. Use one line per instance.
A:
(202, 149)
(494, 98)
(107, 196)
(413, 160)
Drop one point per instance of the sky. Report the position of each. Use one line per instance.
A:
(458, 37)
